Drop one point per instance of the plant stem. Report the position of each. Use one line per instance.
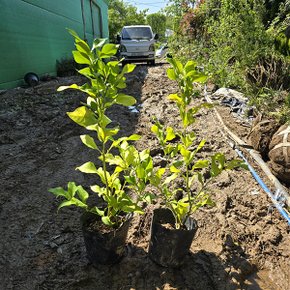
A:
(105, 169)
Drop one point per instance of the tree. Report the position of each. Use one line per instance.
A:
(237, 39)
(158, 23)
(121, 14)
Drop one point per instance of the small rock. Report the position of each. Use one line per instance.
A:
(53, 245)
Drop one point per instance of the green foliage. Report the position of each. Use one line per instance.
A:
(237, 40)
(157, 21)
(228, 37)
(273, 103)
(104, 81)
(121, 14)
(239, 44)
(282, 44)
(182, 161)
(272, 9)
(173, 12)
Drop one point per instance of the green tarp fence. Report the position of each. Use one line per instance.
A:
(33, 34)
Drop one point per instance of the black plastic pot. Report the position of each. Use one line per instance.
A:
(169, 246)
(104, 247)
(31, 79)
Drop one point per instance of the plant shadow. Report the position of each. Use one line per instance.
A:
(201, 270)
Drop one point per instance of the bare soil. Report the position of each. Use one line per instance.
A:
(242, 243)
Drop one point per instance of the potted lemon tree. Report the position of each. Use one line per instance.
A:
(104, 227)
(173, 227)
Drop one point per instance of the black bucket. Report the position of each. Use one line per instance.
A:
(104, 248)
(168, 247)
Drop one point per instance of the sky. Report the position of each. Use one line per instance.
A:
(152, 5)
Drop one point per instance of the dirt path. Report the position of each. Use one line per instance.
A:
(241, 243)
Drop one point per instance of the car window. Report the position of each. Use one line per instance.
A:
(137, 33)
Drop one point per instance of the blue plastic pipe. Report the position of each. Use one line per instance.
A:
(264, 186)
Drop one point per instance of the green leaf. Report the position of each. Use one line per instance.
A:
(177, 66)
(114, 160)
(66, 203)
(102, 175)
(217, 164)
(235, 164)
(83, 194)
(128, 68)
(73, 33)
(159, 173)
(82, 46)
(81, 57)
(171, 74)
(201, 200)
(104, 121)
(144, 154)
(190, 66)
(88, 167)
(140, 171)
(59, 191)
(85, 72)
(125, 100)
(109, 49)
(184, 152)
(83, 116)
(175, 98)
(170, 178)
(98, 43)
(97, 211)
(200, 164)
(201, 78)
(155, 129)
(111, 132)
(170, 135)
(106, 220)
(132, 208)
(89, 141)
(173, 169)
(200, 178)
(100, 131)
(78, 203)
(133, 137)
(97, 189)
(149, 197)
(155, 179)
(200, 146)
(130, 179)
(71, 189)
(73, 86)
(188, 119)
